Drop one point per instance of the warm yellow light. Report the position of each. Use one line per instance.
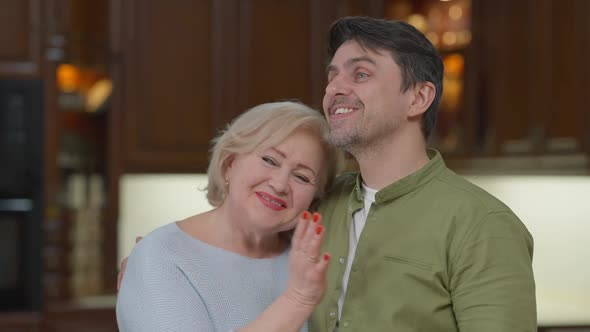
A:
(433, 37)
(454, 64)
(419, 22)
(98, 94)
(464, 37)
(455, 12)
(68, 77)
(449, 38)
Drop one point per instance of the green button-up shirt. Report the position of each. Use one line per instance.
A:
(437, 253)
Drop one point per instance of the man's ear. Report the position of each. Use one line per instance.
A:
(423, 96)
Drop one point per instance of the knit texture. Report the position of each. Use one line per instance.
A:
(174, 282)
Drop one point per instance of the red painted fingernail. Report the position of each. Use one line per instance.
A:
(326, 257)
(319, 229)
(305, 215)
(316, 217)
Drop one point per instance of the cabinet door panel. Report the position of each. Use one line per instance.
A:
(19, 37)
(167, 84)
(190, 67)
(567, 119)
(275, 50)
(534, 71)
(506, 71)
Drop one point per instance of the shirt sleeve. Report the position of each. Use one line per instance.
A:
(155, 295)
(492, 283)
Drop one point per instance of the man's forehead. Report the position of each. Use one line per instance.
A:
(355, 52)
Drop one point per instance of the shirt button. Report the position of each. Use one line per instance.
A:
(342, 260)
(346, 324)
(332, 314)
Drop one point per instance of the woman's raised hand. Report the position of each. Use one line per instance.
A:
(307, 264)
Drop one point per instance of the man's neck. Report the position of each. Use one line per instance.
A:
(384, 164)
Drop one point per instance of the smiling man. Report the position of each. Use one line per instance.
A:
(415, 246)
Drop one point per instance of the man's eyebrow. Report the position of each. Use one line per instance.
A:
(331, 68)
(350, 62)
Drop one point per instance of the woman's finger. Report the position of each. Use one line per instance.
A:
(300, 230)
(314, 246)
(322, 266)
(312, 239)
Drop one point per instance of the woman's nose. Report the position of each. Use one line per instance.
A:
(279, 181)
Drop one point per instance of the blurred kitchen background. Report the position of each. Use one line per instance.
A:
(107, 109)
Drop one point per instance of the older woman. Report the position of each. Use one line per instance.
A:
(237, 267)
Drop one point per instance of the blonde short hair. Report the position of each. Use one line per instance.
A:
(267, 124)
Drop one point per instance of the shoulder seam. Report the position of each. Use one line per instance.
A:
(475, 196)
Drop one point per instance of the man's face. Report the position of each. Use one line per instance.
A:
(363, 102)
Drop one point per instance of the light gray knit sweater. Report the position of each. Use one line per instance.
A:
(174, 282)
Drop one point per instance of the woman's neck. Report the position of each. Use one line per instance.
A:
(220, 228)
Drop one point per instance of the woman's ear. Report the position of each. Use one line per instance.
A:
(423, 96)
(227, 164)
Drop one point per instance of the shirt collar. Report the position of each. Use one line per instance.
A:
(407, 184)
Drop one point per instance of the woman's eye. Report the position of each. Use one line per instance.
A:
(302, 178)
(269, 161)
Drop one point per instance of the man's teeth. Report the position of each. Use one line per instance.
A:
(343, 111)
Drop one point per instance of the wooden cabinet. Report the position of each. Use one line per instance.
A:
(165, 55)
(531, 69)
(20, 38)
(184, 69)
(79, 252)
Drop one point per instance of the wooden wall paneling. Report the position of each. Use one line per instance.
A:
(20, 38)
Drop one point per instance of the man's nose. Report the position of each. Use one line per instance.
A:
(337, 86)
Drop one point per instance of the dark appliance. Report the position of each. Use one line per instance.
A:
(21, 193)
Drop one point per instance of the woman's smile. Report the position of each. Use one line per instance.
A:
(270, 201)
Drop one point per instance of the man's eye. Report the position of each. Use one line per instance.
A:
(361, 75)
(269, 161)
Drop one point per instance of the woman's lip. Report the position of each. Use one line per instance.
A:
(264, 198)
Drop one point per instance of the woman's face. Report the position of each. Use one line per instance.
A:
(270, 187)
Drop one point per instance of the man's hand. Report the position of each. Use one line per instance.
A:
(124, 265)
